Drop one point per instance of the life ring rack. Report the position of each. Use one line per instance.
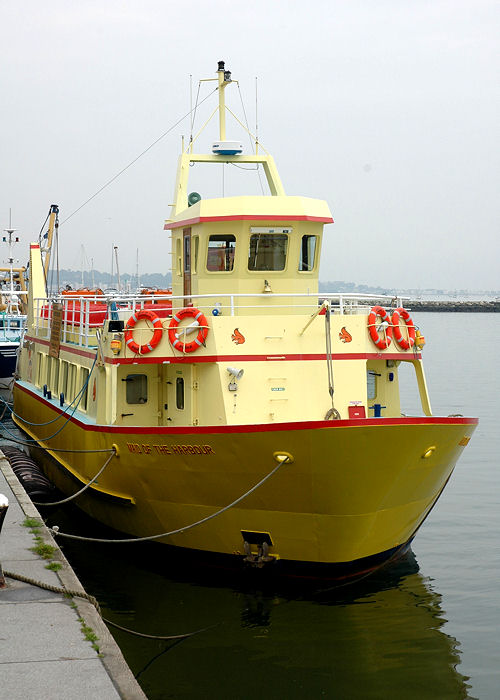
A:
(147, 315)
(404, 343)
(188, 312)
(382, 342)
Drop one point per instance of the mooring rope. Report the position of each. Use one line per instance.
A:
(33, 445)
(54, 530)
(95, 603)
(79, 396)
(87, 485)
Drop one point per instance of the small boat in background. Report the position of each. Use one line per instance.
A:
(12, 313)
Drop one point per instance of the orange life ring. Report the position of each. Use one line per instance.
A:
(384, 341)
(188, 312)
(403, 343)
(157, 333)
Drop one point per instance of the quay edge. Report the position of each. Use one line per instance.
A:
(110, 656)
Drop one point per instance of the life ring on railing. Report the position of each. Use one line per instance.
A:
(188, 312)
(403, 343)
(147, 315)
(384, 341)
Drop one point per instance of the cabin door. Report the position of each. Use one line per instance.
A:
(137, 395)
(177, 395)
(186, 236)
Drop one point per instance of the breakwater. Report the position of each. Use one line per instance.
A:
(455, 306)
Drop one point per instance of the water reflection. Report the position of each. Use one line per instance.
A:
(379, 638)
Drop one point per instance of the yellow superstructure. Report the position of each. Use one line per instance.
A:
(244, 415)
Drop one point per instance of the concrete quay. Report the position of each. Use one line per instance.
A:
(44, 653)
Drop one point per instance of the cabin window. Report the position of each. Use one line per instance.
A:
(187, 253)
(84, 376)
(267, 251)
(64, 378)
(179, 393)
(307, 253)
(71, 381)
(48, 372)
(137, 388)
(55, 375)
(195, 248)
(220, 256)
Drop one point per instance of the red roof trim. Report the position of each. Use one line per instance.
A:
(247, 217)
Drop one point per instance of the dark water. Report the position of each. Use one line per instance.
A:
(427, 628)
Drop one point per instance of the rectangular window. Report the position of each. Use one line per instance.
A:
(64, 378)
(179, 393)
(220, 256)
(196, 246)
(307, 253)
(267, 251)
(137, 388)
(187, 253)
(49, 371)
(55, 375)
(71, 382)
(84, 386)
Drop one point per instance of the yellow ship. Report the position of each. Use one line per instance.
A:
(242, 415)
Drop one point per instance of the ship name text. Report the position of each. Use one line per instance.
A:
(147, 449)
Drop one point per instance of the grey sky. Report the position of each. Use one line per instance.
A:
(387, 109)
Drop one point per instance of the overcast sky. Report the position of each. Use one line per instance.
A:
(387, 109)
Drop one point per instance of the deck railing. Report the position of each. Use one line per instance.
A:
(83, 315)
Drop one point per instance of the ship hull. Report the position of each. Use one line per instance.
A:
(353, 496)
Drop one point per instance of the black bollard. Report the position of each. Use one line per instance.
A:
(4, 504)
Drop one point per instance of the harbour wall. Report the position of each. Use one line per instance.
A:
(454, 306)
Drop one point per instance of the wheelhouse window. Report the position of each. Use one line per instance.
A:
(187, 253)
(137, 388)
(220, 256)
(307, 253)
(267, 251)
(196, 246)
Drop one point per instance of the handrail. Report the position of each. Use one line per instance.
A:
(141, 298)
(81, 319)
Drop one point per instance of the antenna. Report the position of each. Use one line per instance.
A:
(117, 268)
(83, 264)
(256, 120)
(10, 242)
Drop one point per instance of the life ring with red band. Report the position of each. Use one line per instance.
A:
(143, 314)
(383, 341)
(188, 312)
(404, 343)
